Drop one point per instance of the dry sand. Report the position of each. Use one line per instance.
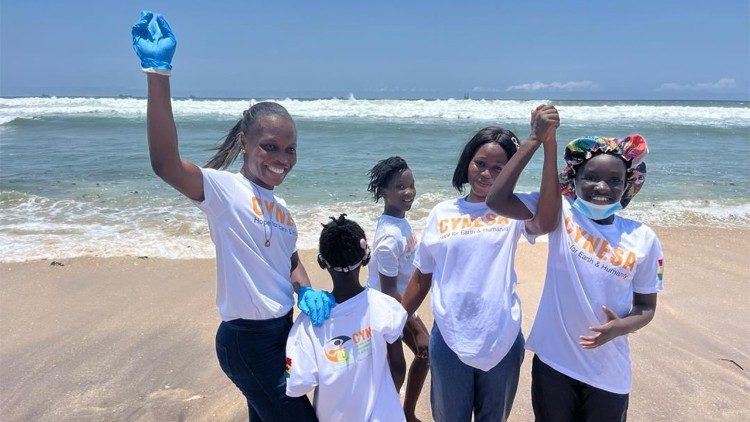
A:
(133, 338)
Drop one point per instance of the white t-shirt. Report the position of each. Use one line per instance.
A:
(393, 250)
(590, 265)
(469, 250)
(346, 360)
(252, 279)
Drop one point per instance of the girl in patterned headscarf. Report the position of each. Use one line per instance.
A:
(603, 274)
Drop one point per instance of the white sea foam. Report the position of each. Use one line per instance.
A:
(416, 110)
(40, 228)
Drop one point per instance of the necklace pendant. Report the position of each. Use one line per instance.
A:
(268, 243)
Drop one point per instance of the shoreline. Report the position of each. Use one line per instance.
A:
(132, 338)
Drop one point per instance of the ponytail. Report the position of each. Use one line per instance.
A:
(228, 151)
(231, 147)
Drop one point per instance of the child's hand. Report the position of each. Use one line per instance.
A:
(316, 304)
(544, 122)
(154, 43)
(606, 332)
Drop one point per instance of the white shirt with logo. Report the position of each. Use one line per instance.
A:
(393, 250)
(590, 265)
(469, 250)
(346, 360)
(252, 279)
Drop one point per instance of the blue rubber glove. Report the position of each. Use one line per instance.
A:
(154, 43)
(316, 304)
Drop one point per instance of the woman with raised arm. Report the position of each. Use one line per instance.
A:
(258, 268)
(466, 257)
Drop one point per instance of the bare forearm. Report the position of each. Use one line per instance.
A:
(298, 275)
(638, 318)
(500, 197)
(162, 133)
(547, 216)
(397, 363)
(416, 291)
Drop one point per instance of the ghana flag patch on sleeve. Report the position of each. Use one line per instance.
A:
(288, 372)
(660, 271)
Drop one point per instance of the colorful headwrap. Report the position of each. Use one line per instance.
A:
(631, 149)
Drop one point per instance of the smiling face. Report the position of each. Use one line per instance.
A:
(484, 168)
(601, 180)
(399, 194)
(270, 151)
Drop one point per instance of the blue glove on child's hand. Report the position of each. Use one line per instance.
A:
(316, 304)
(154, 43)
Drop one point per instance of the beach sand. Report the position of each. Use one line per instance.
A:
(133, 338)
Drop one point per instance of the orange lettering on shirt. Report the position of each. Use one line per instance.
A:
(579, 234)
(256, 207)
(503, 221)
(616, 258)
(280, 216)
(269, 206)
(603, 249)
(362, 335)
(568, 225)
(443, 225)
(490, 218)
(478, 222)
(465, 223)
(455, 221)
(591, 243)
(629, 262)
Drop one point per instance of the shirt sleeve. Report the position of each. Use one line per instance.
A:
(386, 254)
(301, 365)
(423, 259)
(650, 271)
(530, 199)
(215, 191)
(394, 319)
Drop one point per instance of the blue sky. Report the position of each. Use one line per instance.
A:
(419, 49)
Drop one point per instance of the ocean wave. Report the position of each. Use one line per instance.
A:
(34, 227)
(17, 109)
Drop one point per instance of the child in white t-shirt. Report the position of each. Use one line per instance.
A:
(603, 275)
(392, 262)
(354, 361)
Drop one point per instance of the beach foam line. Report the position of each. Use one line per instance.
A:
(33, 227)
(17, 109)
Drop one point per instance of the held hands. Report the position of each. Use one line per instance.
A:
(154, 43)
(544, 123)
(605, 332)
(316, 304)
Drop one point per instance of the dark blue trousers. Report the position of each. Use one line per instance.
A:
(253, 355)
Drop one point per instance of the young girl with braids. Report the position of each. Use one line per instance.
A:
(603, 274)
(255, 236)
(354, 361)
(466, 258)
(392, 265)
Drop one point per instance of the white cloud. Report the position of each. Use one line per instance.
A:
(723, 84)
(555, 86)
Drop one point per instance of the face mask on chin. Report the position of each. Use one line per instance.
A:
(596, 211)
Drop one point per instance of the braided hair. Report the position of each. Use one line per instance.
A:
(230, 148)
(382, 173)
(340, 242)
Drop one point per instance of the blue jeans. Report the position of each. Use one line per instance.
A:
(253, 355)
(459, 389)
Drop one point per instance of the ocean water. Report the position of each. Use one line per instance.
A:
(75, 178)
